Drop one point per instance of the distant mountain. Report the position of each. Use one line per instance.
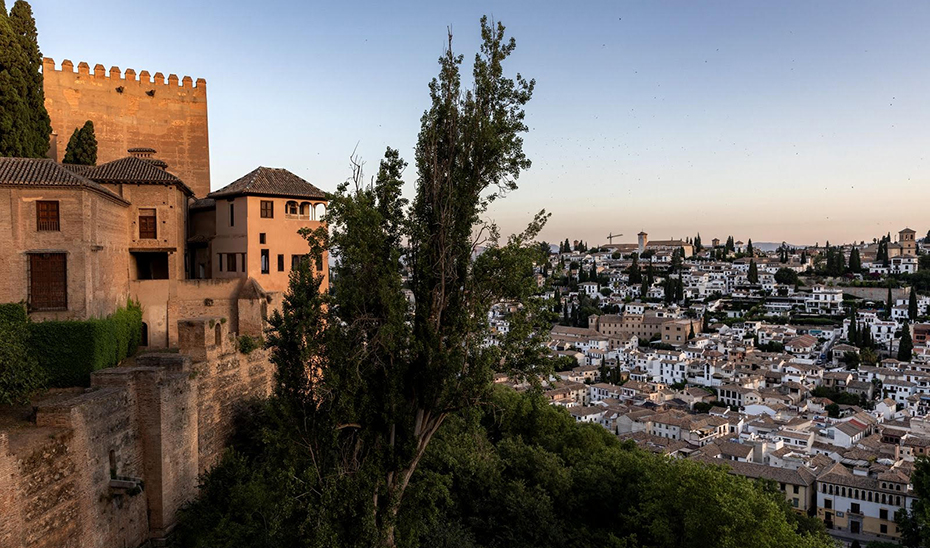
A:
(772, 246)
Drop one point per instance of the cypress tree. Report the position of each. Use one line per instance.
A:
(22, 61)
(855, 261)
(749, 250)
(853, 335)
(13, 107)
(889, 304)
(691, 332)
(906, 346)
(753, 275)
(912, 305)
(82, 147)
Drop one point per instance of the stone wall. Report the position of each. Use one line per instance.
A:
(132, 111)
(110, 466)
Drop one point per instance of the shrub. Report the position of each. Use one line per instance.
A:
(247, 344)
(71, 350)
(20, 374)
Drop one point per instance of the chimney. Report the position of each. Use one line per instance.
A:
(147, 154)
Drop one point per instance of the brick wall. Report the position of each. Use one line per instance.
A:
(132, 111)
(92, 234)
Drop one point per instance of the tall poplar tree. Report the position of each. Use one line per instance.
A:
(372, 378)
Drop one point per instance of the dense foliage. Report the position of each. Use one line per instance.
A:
(366, 376)
(82, 147)
(71, 350)
(24, 122)
(20, 374)
(518, 473)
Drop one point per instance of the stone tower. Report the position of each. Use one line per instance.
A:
(907, 239)
(132, 111)
(642, 240)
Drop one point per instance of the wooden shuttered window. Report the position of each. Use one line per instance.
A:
(48, 281)
(267, 209)
(47, 217)
(148, 226)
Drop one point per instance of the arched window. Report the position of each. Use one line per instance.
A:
(291, 208)
(217, 335)
(144, 335)
(305, 210)
(319, 211)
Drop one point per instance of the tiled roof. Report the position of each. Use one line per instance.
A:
(134, 170)
(46, 172)
(267, 181)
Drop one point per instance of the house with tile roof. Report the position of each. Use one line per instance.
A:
(81, 240)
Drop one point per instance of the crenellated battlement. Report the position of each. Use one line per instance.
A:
(130, 109)
(128, 77)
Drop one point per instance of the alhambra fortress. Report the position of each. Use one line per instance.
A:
(110, 464)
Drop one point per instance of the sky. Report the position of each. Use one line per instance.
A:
(776, 121)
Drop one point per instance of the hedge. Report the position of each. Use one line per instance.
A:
(71, 350)
(20, 373)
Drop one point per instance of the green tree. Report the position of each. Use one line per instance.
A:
(912, 309)
(331, 351)
(855, 261)
(20, 372)
(753, 275)
(82, 147)
(915, 523)
(889, 303)
(24, 122)
(906, 345)
(786, 276)
(749, 250)
(636, 277)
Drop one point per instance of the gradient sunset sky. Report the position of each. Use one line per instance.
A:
(798, 121)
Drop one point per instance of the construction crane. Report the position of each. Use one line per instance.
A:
(612, 236)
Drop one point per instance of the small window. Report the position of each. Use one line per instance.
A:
(144, 335)
(305, 209)
(319, 263)
(266, 266)
(261, 237)
(47, 215)
(291, 208)
(220, 257)
(232, 214)
(217, 335)
(883, 529)
(280, 263)
(295, 261)
(267, 209)
(883, 514)
(148, 229)
(230, 262)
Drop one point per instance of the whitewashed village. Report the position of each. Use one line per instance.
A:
(809, 367)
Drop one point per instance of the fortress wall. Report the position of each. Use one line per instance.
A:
(164, 421)
(132, 110)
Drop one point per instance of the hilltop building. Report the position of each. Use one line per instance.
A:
(82, 240)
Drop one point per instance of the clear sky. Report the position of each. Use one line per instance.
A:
(799, 121)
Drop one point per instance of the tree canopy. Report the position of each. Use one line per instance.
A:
(517, 473)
